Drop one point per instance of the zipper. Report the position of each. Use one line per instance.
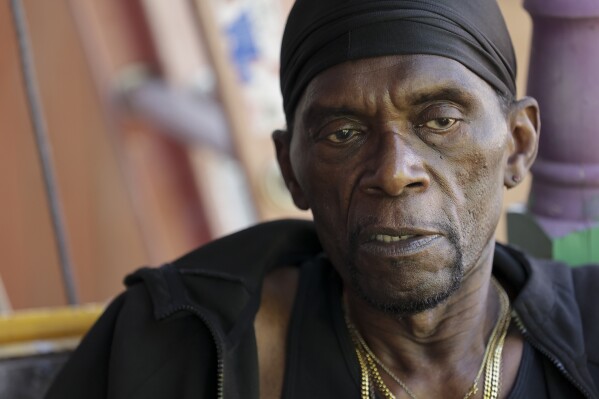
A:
(558, 364)
(220, 365)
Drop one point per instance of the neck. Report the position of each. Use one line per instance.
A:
(452, 336)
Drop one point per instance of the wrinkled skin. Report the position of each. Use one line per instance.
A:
(413, 146)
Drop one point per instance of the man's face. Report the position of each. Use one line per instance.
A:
(402, 161)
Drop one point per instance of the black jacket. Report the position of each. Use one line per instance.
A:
(185, 330)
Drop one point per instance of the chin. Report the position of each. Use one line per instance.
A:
(401, 290)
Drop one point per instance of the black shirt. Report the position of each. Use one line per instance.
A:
(530, 381)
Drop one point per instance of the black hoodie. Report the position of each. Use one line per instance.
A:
(185, 330)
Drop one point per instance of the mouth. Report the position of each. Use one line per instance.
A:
(388, 238)
(398, 243)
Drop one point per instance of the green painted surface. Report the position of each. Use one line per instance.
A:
(576, 249)
(595, 245)
(573, 248)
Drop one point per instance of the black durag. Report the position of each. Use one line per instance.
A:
(322, 33)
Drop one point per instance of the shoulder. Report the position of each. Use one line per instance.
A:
(580, 281)
(562, 299)
(534, 274)
(171, 320)
(129, 352)
(586, 281)
(235, 263)
(577, 285)
(275, 242)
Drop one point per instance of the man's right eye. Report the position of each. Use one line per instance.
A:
(342, 136)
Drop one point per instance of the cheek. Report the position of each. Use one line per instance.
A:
(482, 169)
(329, 209)
(478, 175)
(328, 193)
(325, 184)
(327, 187)
(482, 182)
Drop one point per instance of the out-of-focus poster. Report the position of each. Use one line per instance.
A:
(253, 29)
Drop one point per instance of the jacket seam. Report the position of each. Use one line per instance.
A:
(215, 274)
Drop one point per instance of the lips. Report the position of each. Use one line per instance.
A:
(397, 243)
(388, 238)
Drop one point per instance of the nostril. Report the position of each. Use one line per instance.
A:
(415, 185)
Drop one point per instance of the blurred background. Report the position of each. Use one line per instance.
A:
(157, 118)
(158, 115)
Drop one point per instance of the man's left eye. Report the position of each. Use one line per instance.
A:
(341, 136)
(441, 123)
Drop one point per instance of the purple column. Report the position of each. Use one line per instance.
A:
(564, 78)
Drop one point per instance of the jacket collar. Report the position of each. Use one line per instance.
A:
(237, 262)
(546, 310)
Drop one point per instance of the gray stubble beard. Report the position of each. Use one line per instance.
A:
(412, 305)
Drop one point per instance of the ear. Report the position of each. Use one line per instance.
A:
(525, 124)
(282, 141)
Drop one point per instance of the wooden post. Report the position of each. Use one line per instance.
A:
(254, 148)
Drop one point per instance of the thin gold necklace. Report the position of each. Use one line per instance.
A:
(491, 362)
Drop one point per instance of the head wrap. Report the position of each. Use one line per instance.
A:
(322, 33)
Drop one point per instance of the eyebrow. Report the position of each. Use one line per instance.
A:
(454, 94)
(317, 112)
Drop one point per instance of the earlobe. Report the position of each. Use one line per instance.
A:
(282, 141)
(524, 122)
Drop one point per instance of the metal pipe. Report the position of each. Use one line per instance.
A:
(44, 149)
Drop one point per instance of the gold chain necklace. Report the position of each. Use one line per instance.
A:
(491, 362)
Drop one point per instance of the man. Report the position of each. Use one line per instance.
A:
(402, 133)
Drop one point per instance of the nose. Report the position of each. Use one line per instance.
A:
(395, 168)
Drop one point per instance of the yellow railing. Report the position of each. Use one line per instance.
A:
(48, 324)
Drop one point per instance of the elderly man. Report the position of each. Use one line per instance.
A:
(402, 133)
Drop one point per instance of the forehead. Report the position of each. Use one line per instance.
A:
(399, 80)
